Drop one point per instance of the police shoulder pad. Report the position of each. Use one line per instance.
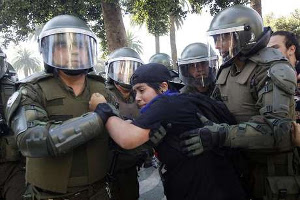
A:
(283, 75)
(267, 55)
(12, 105)
(34, 78)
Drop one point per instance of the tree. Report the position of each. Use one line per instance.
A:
(290, 23)
(19, 18)
(256, 5)
(133, 42)
(114, 26)
(24, 61)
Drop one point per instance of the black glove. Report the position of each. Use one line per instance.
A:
(156, 135)
(104, 111)
(210, 136)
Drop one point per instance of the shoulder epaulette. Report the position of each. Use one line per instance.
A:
(36, 77)
(267, 55)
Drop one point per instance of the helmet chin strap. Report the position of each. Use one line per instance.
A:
(75, 72)
(123, 85)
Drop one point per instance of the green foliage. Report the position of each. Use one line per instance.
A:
(154, 13)
(290, 23)
(133, 42)
(215, 6)
(20, 17)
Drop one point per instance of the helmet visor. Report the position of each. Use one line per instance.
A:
(2, 59)
(226, 44)
(72, 51)
(197, 74)
(122, 70)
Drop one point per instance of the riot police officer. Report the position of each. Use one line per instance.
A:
(165, 59)
(120, 66)
(195, 70)
(12, 165)
(257, 85)
(66, 146)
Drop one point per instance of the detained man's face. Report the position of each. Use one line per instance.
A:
(278, 42)
(144, 94)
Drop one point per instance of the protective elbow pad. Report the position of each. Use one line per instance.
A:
(74, 132)
(33, 143)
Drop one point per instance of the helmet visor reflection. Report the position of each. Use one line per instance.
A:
(122, 70)
(226, 44)
(197, 74)
(70, 51)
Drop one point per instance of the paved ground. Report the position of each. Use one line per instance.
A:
(150, 185)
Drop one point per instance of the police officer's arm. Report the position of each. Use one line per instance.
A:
(37, 136)
(270, 130)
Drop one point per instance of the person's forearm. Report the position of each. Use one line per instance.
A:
(128, 136)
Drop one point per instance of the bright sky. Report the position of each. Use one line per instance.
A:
(193, 30)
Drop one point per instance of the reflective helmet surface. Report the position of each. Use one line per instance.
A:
(121, 64)
(66, 42)
(3, 66)
(197, 65)
(162, 58)
(235, 29)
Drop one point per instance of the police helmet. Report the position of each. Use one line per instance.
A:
(235, 30)
(196, 66)
(3, 66)
(162, 58)
(121, 65)
(67, 43)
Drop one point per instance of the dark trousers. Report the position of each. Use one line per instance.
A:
(12, 180)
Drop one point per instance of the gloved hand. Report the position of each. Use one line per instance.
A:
(156, 135)
(104, 111)
(212, 135)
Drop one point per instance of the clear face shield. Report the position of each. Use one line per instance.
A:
(121, 69)
(71, 51)
(226, 44)
(198, 74)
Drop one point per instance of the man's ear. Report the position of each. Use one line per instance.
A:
(164, 87)
(291, 50)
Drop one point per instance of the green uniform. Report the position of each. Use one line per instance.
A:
(80, 167)
(125, 183)
(191, 89)
(12, 164)
(260, 102)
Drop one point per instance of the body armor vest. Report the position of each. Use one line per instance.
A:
(240, 102)
(9, 150)
(127, 110)
(87, 163)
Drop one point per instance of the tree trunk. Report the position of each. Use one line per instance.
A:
(256, 5)
(157, 46)
(114, 26)
(173, 41)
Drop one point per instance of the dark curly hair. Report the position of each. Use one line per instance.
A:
(290, 39)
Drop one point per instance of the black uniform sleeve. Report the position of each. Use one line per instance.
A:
(154, 115)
